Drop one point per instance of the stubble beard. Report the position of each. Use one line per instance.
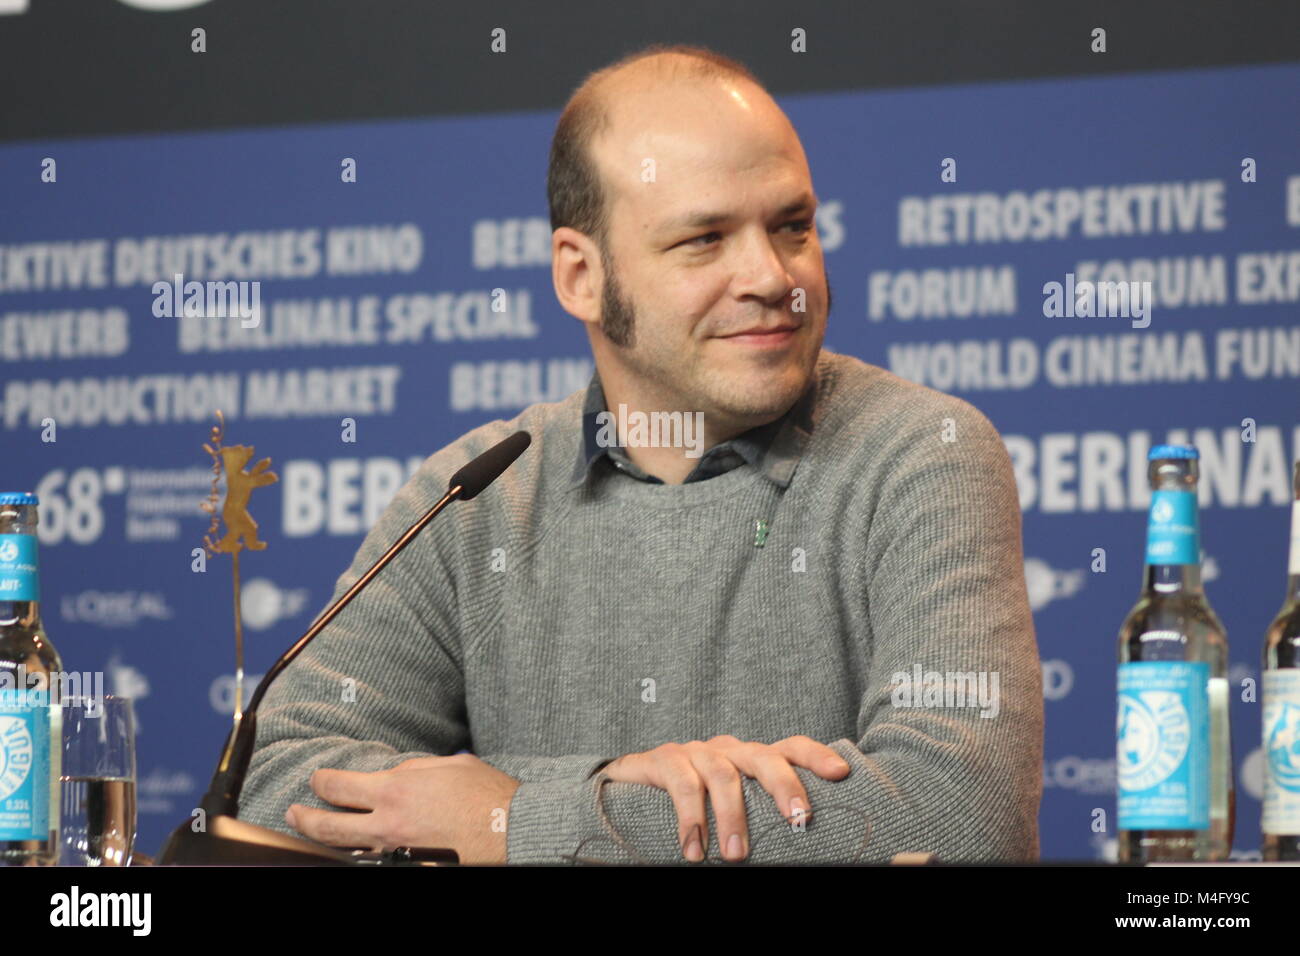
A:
(617, 315)
(735, 399)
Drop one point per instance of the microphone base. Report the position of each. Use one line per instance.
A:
(228, 841)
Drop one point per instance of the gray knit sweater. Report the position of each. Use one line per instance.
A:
(550, 627)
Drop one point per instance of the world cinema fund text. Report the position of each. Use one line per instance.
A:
(1145, 357)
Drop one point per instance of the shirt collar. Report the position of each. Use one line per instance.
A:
(774, 449)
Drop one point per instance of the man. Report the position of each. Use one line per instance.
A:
(660, 656)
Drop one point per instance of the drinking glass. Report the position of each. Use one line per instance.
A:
(97, 818)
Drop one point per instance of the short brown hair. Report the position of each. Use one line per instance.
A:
(573, 188)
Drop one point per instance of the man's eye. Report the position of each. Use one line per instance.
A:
(707, 235)
(802, 226)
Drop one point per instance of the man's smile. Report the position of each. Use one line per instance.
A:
(759, 337)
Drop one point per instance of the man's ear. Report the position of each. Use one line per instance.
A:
(576, 273)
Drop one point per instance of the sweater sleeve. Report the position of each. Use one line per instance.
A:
(383, 682)
(942, 565)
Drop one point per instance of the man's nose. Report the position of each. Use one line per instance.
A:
(762, 271)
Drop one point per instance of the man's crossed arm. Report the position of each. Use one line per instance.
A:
(462, 802)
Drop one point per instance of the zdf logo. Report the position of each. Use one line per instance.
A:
(1058, 679)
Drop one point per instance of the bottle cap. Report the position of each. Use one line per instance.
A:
(1173, 451)
(18, 498)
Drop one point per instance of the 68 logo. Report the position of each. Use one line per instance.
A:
(71, 509)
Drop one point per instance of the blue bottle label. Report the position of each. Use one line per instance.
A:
(1163, 745)
(1172, 533)
(1282, 752)
(19, 577)
(24, 764)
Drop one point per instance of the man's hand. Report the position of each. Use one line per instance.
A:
(428, 801)
(689, 771)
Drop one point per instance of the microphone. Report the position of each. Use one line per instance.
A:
(227, 840)
(487, 467)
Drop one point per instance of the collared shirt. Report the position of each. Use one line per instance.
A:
(774, 449)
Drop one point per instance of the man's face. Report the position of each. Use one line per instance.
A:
(711, 239)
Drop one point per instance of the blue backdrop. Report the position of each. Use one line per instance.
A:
(376, 307)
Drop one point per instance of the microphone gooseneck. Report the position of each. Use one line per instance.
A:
(222, 797)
